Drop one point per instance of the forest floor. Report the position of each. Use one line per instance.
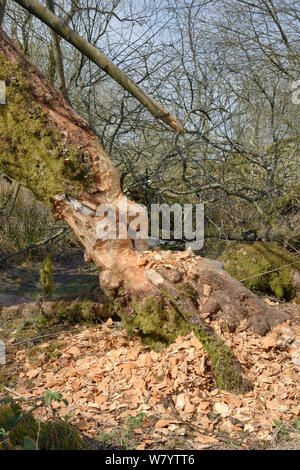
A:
(21, 284)
(121, 394)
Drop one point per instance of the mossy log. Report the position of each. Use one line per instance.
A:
(51, 150)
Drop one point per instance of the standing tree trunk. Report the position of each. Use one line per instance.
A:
(50, 149)
(2, 11)
(59, 66)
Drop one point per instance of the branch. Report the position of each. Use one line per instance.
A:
(57, 25)
(33, 245)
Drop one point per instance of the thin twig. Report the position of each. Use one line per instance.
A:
(34, 338)
(13, 392)
(271, 271)
(34, 245)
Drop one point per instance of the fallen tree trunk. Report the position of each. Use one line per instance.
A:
(52, 151)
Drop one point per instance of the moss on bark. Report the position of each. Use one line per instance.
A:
(32, 150)
(47, 277)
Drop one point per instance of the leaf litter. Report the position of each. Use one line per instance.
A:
(108, 376)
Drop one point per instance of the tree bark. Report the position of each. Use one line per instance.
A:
(51, 150)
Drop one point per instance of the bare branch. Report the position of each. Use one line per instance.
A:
(57, 24)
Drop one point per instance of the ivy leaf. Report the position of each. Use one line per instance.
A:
(6, 400)
(47, 396)
(29, 444)
(57, 396)
(13, 421)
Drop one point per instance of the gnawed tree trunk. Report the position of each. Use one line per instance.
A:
(51, 150)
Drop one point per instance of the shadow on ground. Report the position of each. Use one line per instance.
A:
(71, 276)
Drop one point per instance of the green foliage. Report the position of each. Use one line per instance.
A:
(20, 430)
(54, 396)
(249, 261)
(46, 277)
(27, 426)
(70, 313)
(285, 429)
(124, 436)
(134, 422)
(29, 444)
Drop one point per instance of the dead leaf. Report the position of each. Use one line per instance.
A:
(270, 341)
(33, 373)
(74, 351)
(222, 409)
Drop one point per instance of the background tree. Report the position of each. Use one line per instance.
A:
(2, 10)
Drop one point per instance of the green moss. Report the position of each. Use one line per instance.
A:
(47, 277)
(27, 426)
(31, 150)
(59, 435)
(289, 202)
(6, 415)
(244, 261)
(51, 435)
(114, 304)
(223, 363)
(77, 312)
(159, 322)
(53, 351)
(188, 291)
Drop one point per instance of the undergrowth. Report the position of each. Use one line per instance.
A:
(20, 430)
